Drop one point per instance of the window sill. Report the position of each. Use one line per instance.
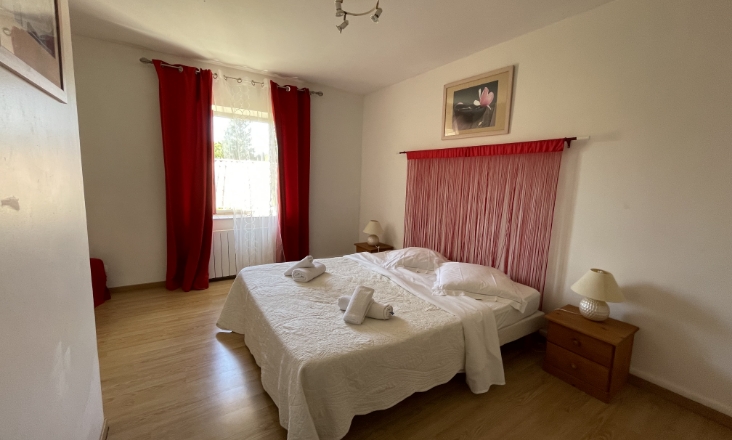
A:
(223, 216)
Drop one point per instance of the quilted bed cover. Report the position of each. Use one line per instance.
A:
(321, 372)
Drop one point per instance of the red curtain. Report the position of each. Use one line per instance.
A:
(291, 112)
(187, 124)
(494, 210)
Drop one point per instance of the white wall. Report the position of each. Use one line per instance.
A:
(648, 198)
(335, 171)
(49, 370)
(122, 154)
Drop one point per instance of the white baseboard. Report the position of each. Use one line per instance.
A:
(713, 404)
(105, 430)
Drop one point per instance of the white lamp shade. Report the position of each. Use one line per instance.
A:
(600, 285)
(373, 228)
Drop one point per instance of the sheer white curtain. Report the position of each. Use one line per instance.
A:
(246, 167)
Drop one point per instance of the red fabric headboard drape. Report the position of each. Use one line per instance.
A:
(490, 205)
(187, 124)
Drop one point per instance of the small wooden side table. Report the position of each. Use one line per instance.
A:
(592, 356)
(365, 247)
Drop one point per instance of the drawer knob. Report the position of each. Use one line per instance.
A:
(576, 342)
(574, 366)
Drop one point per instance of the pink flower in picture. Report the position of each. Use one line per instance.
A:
(486, 97)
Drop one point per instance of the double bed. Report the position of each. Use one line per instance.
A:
(321, 372)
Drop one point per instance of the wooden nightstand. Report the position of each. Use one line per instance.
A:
(592, 356)
(365, 247)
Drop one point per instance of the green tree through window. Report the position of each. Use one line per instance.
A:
(237, 142)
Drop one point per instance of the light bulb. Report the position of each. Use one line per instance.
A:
(339, 8)
(377, 14)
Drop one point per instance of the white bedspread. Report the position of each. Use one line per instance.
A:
(321, 371)
(483, 363)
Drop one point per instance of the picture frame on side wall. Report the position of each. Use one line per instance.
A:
(30, 43)
(479, 105)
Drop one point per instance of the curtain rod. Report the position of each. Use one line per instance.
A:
(216, 76)
(568, 140)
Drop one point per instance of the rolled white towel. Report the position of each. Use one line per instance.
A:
(360, 301)
(305, 274)
(305, 262)
(375, 311)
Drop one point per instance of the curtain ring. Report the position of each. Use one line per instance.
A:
(288, 88)
(238, 80)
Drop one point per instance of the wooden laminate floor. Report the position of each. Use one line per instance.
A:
(169, 373)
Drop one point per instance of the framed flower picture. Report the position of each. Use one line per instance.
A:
(30, 43)
(478, 106)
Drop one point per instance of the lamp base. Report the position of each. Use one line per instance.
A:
(373, 240)
(594, 310)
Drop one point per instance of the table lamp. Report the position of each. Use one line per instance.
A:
(373, 228)
(598, 288)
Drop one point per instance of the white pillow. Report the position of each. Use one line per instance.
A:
(414, 258)
(479, 282)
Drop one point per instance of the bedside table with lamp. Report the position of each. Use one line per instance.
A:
(372, 244)
(585, 348)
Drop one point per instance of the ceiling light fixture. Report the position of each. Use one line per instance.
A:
(343, 25)
(341, 13)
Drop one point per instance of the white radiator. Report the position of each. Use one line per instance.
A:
(223, 256)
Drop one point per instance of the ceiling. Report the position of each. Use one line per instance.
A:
(298, 38)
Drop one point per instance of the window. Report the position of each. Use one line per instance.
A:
(245, 167)
(242, 166)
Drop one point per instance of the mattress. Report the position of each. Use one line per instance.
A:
(519, 329)
(507, 315)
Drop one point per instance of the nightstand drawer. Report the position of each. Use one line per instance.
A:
(583, 369)
(581, 344)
